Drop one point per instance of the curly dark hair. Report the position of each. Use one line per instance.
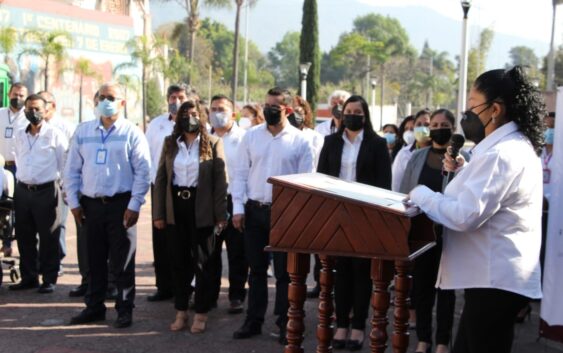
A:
(204, 145)
(523, 101)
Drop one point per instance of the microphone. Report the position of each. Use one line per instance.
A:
(456, 143)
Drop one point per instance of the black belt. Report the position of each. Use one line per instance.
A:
(258, 204)
(183, 192)
(36, 187)
(9, 163)
(108, 199)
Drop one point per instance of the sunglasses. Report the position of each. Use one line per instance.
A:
(101, 97)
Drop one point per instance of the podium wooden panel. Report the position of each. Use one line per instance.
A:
(319, 214)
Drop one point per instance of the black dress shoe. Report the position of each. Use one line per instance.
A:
(283, 336)
(123, 320)
(248, 330)
(354, 345)
(236, 307)
(111, 294)
(87, 316)
(159, 296)
(79, 291)
(46, 288)
(338, 344)
(314, 293)
(24, 285)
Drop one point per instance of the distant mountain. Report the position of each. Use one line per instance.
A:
(271, 19)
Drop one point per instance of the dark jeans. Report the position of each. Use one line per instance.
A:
(487, 321)
(62, 237)
(352, 291)
(162, 265)
(7, 242)
(191, 251)
(544, 224)
(238, 267)
(424, 275)
(256, 237)
(38, 213)
(108, 238)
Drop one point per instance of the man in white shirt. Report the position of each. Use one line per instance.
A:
(40, 151)
(270, 149)
(335, 102)
(221, 117)
(158, 129)
(12, 118)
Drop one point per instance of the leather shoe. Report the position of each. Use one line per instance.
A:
(46, 288)
(79, 291)
(236, 307)
(354, 345)
(123, 320)
(87, 316)
(24, 285)
(159, 296)
(248, 330)
(111, 293)
(314, 293)
(338, 344)
(283, 336)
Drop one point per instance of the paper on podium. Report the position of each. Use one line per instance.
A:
(352, 190)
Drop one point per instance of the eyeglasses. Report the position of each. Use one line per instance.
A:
(101, 97)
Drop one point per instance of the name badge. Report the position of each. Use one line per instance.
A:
(101, 156)
(546, 175)
(9, 132)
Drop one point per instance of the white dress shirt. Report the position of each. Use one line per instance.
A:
(262, 155)
(231, 143)
(326, 128)
(65, 126)
(10, 123)
(491, 212)
(547, 169)
(158, 129)
(349, 159)
(399, 166)
(317, 141)
(40, 158)
(186, 163)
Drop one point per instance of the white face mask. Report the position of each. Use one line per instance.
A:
(244, 122)
(408, 136)
(220, 119)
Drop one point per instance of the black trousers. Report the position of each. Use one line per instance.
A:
(7, 242)
(487, 321)
(256, 237)
(424, 275)
(191, 251)
(107, 239)
(352, 291)
(238, 267)
(162, 265)
(82, 255)
(38, 213)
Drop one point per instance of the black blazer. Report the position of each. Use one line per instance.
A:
(373, 166)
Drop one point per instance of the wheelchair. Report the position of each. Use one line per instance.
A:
(7, 224)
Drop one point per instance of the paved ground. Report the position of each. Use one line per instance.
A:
(32, 322)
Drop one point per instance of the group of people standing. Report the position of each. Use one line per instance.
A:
(208, 171)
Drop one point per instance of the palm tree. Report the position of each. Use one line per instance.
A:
(83, 68)
(234, 81)
(129, 83)
(8, 40)
(51, 47)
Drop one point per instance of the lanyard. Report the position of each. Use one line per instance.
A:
(34, 141)
(546, 159)
(104, 138)
(10, 120)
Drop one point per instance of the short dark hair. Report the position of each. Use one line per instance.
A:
(49, 96)
(35, 97)
(16, 85)
(449, 115)
(393, 126)
(368, 127)
(287, 98)
(218, 97)
(422, 112)
(179, 87)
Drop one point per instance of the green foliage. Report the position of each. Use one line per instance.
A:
(8, 40)
(155, 98)
(284, 60)
(523, 56)
(558, 81)
(477, 57)
(309, 50)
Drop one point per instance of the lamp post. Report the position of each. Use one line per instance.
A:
(303, 71)
(373, 83)
(462, 93)
(551, 56)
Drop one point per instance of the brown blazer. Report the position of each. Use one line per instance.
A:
(211, 196)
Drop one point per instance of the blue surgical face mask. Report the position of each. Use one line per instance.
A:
(549, 135)
(390, 137)
(107, 108)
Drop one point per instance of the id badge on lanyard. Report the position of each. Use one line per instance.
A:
(102, 153)
(9, 132)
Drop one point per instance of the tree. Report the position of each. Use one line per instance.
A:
(130, 83)
(155, 98)
(558, 80)
(284, 59)
(234, 81)
(309, 50)
(8, 41)
(523, 56)
(50, 47)
(477, 57)
(177, 67)
(83, 68)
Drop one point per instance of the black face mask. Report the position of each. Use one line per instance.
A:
(272, 115)
(173, 108)
(354, 122)
(441, 136)
(189, 125)
(16, 103)
(296, 120)
(337, 111)
(34, 117)
(472, 126)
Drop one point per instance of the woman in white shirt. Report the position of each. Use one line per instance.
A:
(491, 211)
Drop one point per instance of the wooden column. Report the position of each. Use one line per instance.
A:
(401, 324)
(326, 306)
(298, 268)
(381, 275)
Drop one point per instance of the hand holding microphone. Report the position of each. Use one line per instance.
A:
(452, 159)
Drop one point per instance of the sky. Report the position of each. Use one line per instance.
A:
(515, 22)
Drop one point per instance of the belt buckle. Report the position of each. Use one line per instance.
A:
(184, 194)
(104, 200)
(31, 187)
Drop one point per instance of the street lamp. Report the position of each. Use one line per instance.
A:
(373, 83)
(303, 71)
(462, 93)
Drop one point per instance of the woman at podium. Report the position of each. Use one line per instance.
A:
(491, 210)
(354, 153)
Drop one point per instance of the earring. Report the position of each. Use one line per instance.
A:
(494, 119)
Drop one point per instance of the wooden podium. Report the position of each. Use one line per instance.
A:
(319, 214)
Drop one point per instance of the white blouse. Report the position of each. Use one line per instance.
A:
(186, 163)
(349, 159)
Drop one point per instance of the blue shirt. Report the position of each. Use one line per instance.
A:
(106, 162)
